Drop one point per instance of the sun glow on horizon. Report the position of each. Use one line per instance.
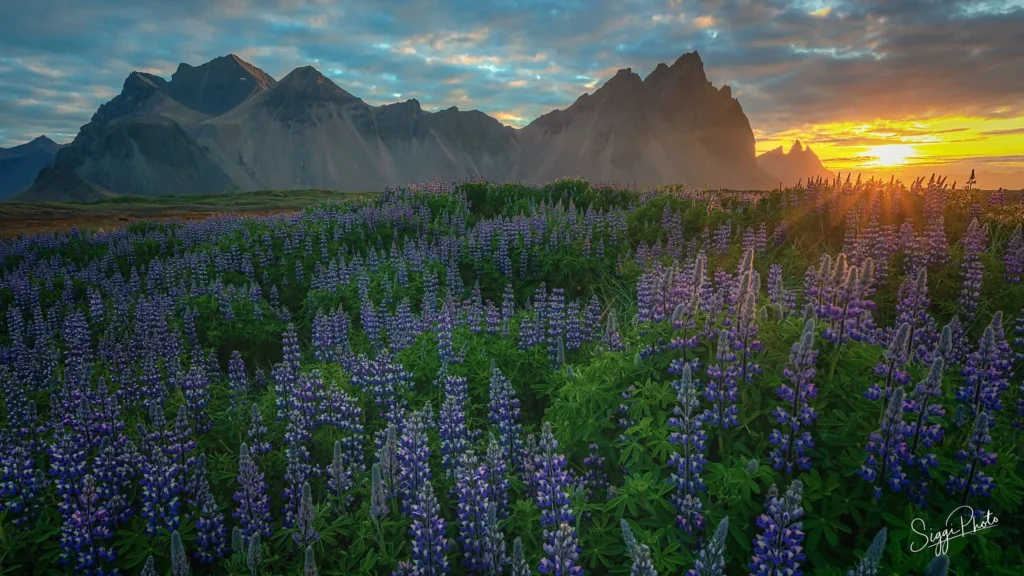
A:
(889, 155)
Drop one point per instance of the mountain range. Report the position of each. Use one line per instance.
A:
(788, 168)
(227, 125)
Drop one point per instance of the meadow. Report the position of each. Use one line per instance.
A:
(473, 378)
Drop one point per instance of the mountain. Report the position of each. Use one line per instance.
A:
(671, 127)
(227, 125)
(800, 163)
(20, 165)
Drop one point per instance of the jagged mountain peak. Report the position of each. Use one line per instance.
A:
(796, 148)
(218, 85)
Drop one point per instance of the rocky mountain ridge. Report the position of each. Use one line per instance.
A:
(227, 125)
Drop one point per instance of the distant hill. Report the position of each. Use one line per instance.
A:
(800, 163)
(20, 165)
(226, 125)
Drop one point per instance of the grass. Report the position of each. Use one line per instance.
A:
(35, 217)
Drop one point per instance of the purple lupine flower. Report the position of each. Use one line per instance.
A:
(686, 422)
(473, 496)
(887, 449)
(305, 534)
(452, 429)
(503, 413)
(86, 526)
(562, 553)
(711, 558)
(778, 549)
(387, 458)
(429, 544)
(257, 434)
(595, 481)
(387, 381)
(891, 366)
(612, 340)
(938, 248)
(553, 484)
(508, 308)
(253, 513)
(1018, 330)
(21, 483)
(237, 380)
(1013, 256)
(290, 354)
(973, 270)
(984, 380)
(796, 412)
(497, 472)
(924, 407)
(413, 459)
(161, 478)
(721, 391)
(494, 541)
(972, 480)
(196, 390)
(339, 477)
(211, 532)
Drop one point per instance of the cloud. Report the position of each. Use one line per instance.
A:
(793, 64)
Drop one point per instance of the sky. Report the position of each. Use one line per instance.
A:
(873, 86)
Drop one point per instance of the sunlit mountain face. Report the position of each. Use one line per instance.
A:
(876, 87)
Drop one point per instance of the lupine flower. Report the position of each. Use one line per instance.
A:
(972, 480)
(1013, 256)
(211, 532)
(721, 391)
(257, 435)
(894, 357)
(939, 566)
(983, 373)
(519, 567)
(687, 433)
(253, 513)
(452, 426)
(254, 554)
(237, 379)
(595, 481)
(887, 449)
(973, 270)
(305, 534)
(494, 542)
(711, 558)
(924, 407)
(642, 564)
(149, 568)
(414, 460)
(497, 471)
(378, 495)
(429, 544)
(21, 483)
(473, 496)
(503, 413)
(553, 484)
(309, 567)
(778, 549)
(84, 531)
(340, 476)
(179, 560)
(912, 308)
(791, 443)
(868, 565)
(562, 553)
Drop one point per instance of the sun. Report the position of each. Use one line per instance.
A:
(889, 154)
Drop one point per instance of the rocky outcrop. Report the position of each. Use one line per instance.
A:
(673, 126)
(227, 125)
(800, 163)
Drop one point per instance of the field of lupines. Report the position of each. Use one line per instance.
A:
(484, 379)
